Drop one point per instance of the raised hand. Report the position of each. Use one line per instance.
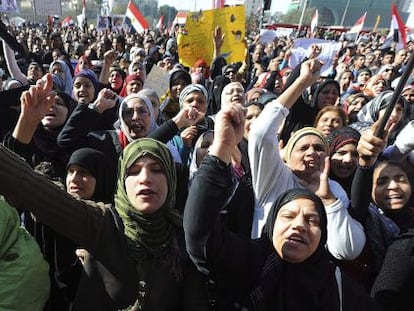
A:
(109, 57)
(35, 104)
(370, 146)
(228, 131)
(105, 100)
(188, 135)
(187, 117)
(318, 183)
(218, 36)
(310, 71)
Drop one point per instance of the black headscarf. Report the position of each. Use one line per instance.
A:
(318, 88)
(309, 285)
(94, 162)
(215, 93)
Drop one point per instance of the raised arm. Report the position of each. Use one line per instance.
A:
(109, 58)
(26, 190)
(224, 256)
(12, 66)
(369, 147)
(269, 174)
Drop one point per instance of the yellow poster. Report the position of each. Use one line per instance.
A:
(195, 41)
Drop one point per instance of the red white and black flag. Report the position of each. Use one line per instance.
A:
(398, 31)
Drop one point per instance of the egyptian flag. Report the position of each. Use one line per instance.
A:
(398, 31)
(353, 33)
(160, 23)
(137, 20)
(314, 23)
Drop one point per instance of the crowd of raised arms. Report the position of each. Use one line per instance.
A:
(242, 186)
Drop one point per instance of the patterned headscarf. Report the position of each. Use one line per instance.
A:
(298, 135)
(192, 88)
(147, 233)
(370, 112)
(341, 137)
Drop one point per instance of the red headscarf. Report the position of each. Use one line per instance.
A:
(129, 78)
(202, 63)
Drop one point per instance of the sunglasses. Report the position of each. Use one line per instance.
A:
(227, 73)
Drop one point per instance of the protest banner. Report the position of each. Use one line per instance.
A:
(329, 49)
(195, 40)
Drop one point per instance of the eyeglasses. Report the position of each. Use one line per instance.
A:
(128, 113)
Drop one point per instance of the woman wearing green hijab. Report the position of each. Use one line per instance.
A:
(136, 252)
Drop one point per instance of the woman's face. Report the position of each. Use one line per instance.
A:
(79, 182)
(195, 100)
(176, 88)
(329, 121)
(133, 86)
(296, 234)
(346, 80)
(378, 86)
(409, 96)
(201, 151)
(137, 118)
(356, 105)
(34, 72)
(84, 64)
(56, 115)
(396, 114)
(363, 77)
(253, 112)
(391, 188)
(233, 93)
(58, 70)
(83, 90)
(146, 185)
(115, 80)
(327, 96)
(344, 161)
(307, 157)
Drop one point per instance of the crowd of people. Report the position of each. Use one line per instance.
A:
(242, 186)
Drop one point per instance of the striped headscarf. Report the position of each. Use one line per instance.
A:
(190, 89)
(298, 135)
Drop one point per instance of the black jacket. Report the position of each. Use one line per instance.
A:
(233, 262)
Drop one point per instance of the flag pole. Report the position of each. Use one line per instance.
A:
(395, 96)
(345, 11)
(305, 3)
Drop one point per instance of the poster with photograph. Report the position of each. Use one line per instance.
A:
(118, 22)
(102, 22)
(8, 6)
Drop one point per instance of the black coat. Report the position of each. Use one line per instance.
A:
(112, 281)
(394, 285)
(236, 264)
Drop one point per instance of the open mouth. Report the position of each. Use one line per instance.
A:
(296, 239)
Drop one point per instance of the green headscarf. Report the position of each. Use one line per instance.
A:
(147, 233)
